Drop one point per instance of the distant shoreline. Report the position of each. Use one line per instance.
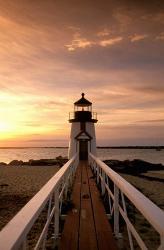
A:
(133, 147)
(112, 147)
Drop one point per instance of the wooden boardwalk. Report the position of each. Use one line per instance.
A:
(86, 225)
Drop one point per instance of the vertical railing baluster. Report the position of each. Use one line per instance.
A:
(56, 214)
(24, 245)
(66, 188)
(93, 166)
(61, 198)
(97, 167)
(109, 199)
(70, 177)
(129, 233)
(161, 247)
(48, 214)
(103, 182)
(116, 211)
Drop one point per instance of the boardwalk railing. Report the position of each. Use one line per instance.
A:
(117, 203)
(15, 234)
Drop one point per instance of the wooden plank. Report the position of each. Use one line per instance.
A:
(87, 234)
(86, 225)
(103, 229)
(69, 238)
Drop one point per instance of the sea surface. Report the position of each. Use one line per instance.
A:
(25, 154)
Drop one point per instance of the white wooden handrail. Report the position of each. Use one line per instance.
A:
(14, 234)
(153, 214)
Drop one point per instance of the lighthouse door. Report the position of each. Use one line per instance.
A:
(83, 149)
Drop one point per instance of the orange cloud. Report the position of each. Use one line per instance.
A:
(137, 37)
(160, 36)
(111, 41)
(79, 42)
(40, 80)
(104, 32)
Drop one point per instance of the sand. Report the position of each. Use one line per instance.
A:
(154, 190)
(18, 185)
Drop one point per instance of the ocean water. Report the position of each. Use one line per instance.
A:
(25, 154)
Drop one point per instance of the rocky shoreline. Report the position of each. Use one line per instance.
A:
(59, 161)
(136, 167)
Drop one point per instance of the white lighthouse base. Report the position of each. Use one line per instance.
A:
(74, 143)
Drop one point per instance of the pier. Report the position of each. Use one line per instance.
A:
(86, 225)
(81, 185)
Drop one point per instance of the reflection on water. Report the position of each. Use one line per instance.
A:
(25, 154)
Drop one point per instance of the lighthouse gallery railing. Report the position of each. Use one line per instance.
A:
(14, 234)
(153, 214)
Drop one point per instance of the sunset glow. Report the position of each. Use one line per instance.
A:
(51, 51)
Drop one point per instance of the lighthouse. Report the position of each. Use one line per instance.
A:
(82, 136)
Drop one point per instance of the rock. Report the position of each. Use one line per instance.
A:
(43, 162)
(59, 161)
(134, 167)
(4, 185)
(59, 157)
(3, 164)
(16, 163)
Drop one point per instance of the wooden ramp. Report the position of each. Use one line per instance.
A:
(86, 226)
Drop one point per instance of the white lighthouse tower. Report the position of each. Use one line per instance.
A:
(82, 137)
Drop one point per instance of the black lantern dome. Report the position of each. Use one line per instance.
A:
(82, 111)
(82, 102)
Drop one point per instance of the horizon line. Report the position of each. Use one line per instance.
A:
(136, 146)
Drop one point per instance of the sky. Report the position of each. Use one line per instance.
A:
(51, 51)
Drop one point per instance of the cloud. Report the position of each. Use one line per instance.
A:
(137, 37)
(40, 80)
(104, 32)
(159, 17)
(79, 43)
(110, 41)
(32, 124)
(152, 121)
(160, 36)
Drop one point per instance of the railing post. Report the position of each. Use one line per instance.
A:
(129, 233)
(97, 170)
(24, 245)
(70, 180)
(94, 166)
(161, 247)
(103, 183)
(66, 188)
(109, 199)
(48, 214)
(116, 211)
(56, 214)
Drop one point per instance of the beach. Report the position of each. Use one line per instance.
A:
(18, 184)
(153, 190)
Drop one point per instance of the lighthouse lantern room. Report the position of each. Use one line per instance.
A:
(82, 137)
